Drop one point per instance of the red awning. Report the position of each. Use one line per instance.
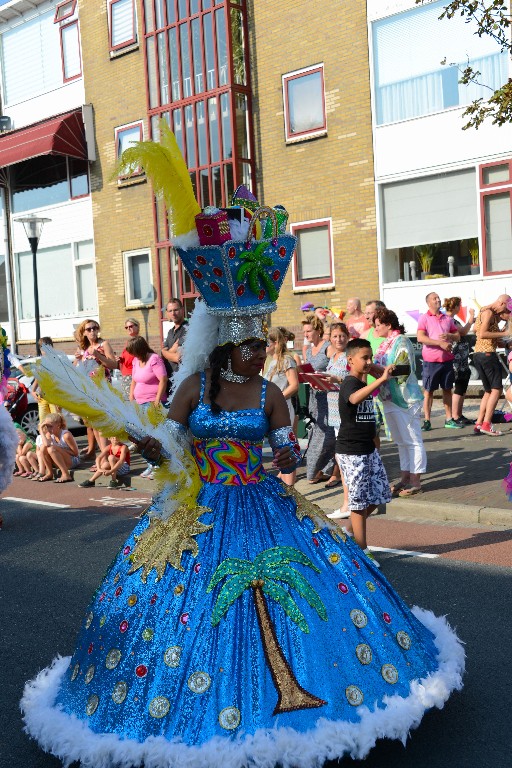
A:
(61, 135)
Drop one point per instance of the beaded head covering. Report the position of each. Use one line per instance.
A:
(239, 279)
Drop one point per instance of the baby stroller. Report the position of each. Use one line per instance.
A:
(16, 400)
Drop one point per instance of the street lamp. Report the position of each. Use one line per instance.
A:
(33, 229)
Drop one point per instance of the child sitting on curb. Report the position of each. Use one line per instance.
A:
(25, 454)
(114, 460)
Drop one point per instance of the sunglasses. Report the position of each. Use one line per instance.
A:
(92, 328)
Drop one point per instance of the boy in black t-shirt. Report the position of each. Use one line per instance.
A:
(359, 461)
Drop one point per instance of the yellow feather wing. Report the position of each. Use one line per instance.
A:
(166, 169)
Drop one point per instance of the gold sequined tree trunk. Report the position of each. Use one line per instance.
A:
(291, 696)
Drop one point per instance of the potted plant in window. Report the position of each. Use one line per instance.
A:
(475, 255)
(426, 255)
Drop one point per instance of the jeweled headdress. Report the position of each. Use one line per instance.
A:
(237, 257)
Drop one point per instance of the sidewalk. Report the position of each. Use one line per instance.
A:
(463, 481)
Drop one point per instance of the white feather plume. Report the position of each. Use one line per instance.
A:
(200, 340)
(8, 445)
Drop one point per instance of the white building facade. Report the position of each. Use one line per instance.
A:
(437, 185)
(46, 145)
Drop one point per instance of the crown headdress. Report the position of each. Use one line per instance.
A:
(237, 257)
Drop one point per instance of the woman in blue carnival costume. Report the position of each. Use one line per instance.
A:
(239, 626)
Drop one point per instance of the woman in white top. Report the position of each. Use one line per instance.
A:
(281, 369)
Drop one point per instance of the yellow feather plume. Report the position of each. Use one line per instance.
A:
(166, 169)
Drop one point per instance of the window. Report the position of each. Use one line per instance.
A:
(410, 80)
(138, 278)
(496, 207)
(126, 136)
(304, 104)
(72, 266)
(70, 45)
(36, 44)
(64, 10)
(123, 31)
(47, 180)
(313, 259)
(438, 210)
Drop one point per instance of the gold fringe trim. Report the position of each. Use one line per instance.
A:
(306, 508)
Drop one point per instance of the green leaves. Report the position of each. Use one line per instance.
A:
(254, 269)
(269, 571)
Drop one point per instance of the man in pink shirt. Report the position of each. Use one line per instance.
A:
(437, 333)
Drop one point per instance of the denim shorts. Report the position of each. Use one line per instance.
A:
(437, 375)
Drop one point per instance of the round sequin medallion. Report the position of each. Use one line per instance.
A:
(403, 640)
(199, 682)
(364, 653)
(359, 618)
(88, 620)
(172, 656)
(179, 589)
(389, 673)
(147, 634)
(334, 558)
(89, 674)
(159, 707)
(131, 600)
(113, 658)
(76, 670)
(119, 693)
(141, 670)
(354, 695)
(92, 704)
(371, 586)
(229, 718)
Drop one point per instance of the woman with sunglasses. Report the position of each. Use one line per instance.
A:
(92, 347)
(125, 359)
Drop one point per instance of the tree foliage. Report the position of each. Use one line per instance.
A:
(492, 18)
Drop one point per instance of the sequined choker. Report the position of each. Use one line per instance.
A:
(235, 377)
(229, 375)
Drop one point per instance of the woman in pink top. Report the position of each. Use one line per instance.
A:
(149, 377)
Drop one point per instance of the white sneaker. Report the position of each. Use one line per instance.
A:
(132, 447)
(370, 556)
(338, 514)
(148, 473)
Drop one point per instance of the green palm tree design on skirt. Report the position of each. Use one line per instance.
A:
(263, 576)
(254, 268)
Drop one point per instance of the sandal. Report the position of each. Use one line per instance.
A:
(411, 491)
(395, 488)
(319, 478)
(333, 484)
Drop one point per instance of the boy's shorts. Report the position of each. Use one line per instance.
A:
(366, 480)
(124, 469)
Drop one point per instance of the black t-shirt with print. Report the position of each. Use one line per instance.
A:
(358, 425)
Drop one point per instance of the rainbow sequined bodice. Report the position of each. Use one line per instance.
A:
(228, 445)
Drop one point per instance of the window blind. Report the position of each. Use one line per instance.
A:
(434, 209)
(31, 59)
(122, 20)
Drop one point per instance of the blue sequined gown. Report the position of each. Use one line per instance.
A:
(274, 644)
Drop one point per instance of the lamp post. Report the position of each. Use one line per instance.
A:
(33, 229)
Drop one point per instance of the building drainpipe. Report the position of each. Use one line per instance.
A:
(13, 341)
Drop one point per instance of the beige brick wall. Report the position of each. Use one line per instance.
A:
(123, 216)
(330, 176)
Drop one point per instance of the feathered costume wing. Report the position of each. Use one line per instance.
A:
(91, 396)
(164, 165)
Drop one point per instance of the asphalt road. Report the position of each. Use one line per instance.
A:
(52, 560)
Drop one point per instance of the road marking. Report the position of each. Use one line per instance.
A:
(115, 501)
(409, 553)
(35, 501)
